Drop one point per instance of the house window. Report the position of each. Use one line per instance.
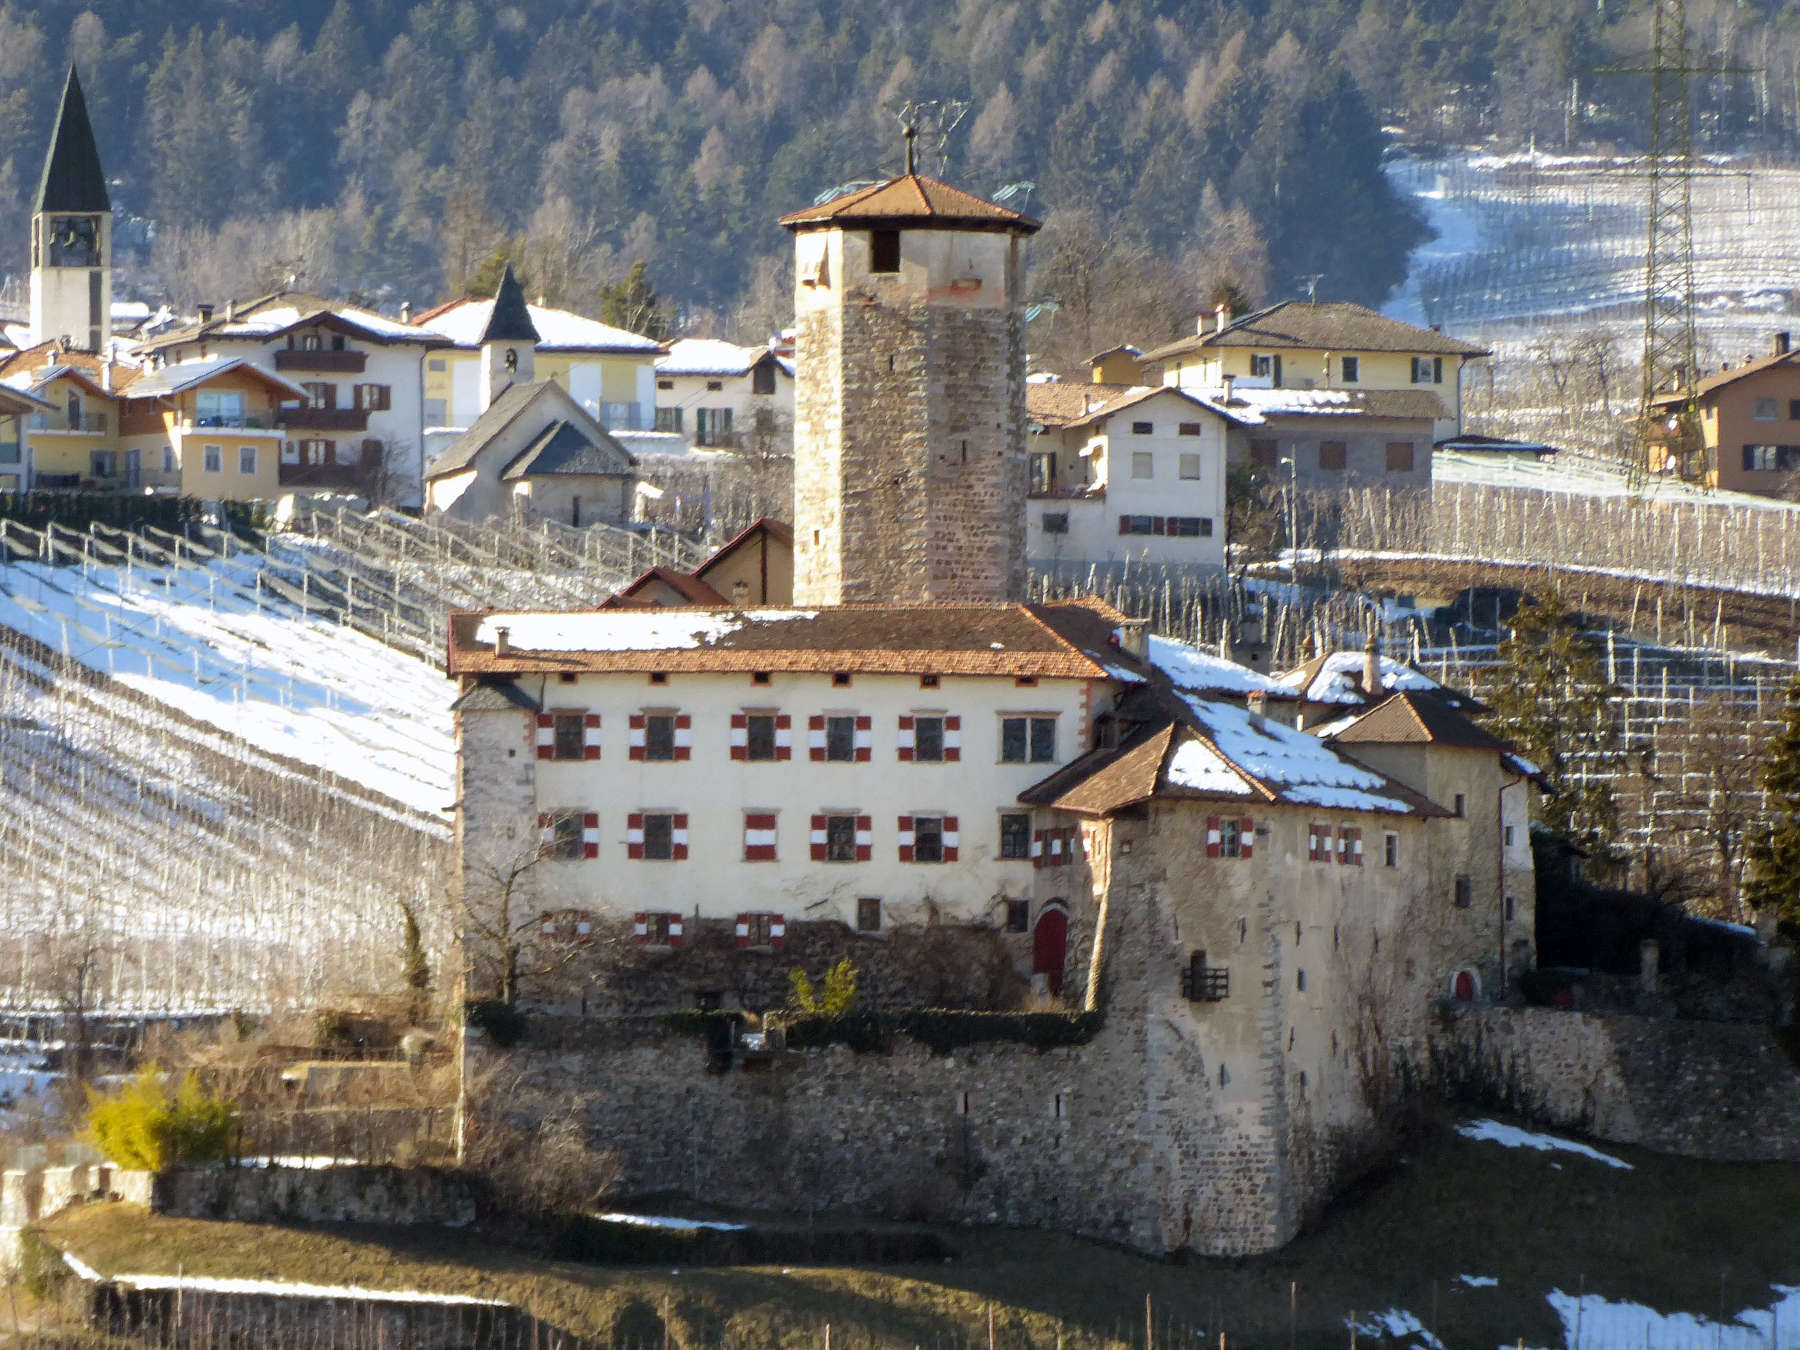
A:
(659, 736)
(884, 250)
(1056, 522)
(1015, 835)
(1509, 909)
(247, 460)
(1794, 410)
(665, 384)
(560, 834)
(1332, 455)
(1202, 983)
(373, 397)
(212, 459)
(1263, 454)
(1318, 843)
(1506, 836)
(756, 930)
(1143, 464)
(1771, 458)
(1465, 893)
(1262, 367)
(1461, 809)
(762, 378)
(759, 736)
(103, 463)
(1028, 740)
(930, 740)
(868, 914)
(1018, 916)
(568, 735)
(840, 739)
(1143, 429)
(668, 419)
(1188, 468)
(928, 838)
(1391, 850)
(219, 408)
(1188, 429)
(658, 930)
(320, 395)
(840, 838)
(928, 681)
(437, 365)
(1428, 370)
(1764, 410)
(657, 836)
(1137, 524)
(1349, 849)
(1399, 456)
(1351, 369)
(1229, 837)
(168, 459)
(1191, 527)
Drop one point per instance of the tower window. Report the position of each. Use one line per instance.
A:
(884, 250)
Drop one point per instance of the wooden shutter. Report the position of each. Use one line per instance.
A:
(819, 838)
(590, 834)
(740, 736)
(684, 736)
(815, 739)
(784, 736)
(759, 836)
(865, 838)
(777, 932)
(590, 736)
(1037, 849)
(678, 847)
(676, 932)
(634, 737)
(949, 837)
(1246, 836)
(546, 735)
(546, 833)
(865, 738)
(1212, 837)
(743, 930)
(952, 739)
(906, 838)
(640, 928)
(634, 835)
(904, 740)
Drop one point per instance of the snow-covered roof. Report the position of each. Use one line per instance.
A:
(464, 321)
(1337, 678)
(179, 375)
(1294, 765)
(1196, 672)
(710, 356)
(667, 445)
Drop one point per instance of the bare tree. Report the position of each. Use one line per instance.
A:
(510, 935)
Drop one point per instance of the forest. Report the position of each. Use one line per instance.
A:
(1179, 152)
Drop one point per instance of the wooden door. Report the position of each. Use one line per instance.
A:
(1050, 945)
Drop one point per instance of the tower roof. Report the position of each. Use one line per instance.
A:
(510, 320)
(911, 199)
(72, 179)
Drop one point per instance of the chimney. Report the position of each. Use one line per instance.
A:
(1371, 680)
(1230, 383)
(206, 313)
(1222, 317)
(503, 641)
(1783, 343)
(106, 375)
(1133, 637)
(740, 593)
(406, 311)
(230, 310)
(1259, 708)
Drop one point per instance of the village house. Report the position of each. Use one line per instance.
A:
(721, 394)
(1749, 422)
(1300, 345)
(16, 410)
(533, 453)
(913, 767)
(753, 567)
(1130, 473)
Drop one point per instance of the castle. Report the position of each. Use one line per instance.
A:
(1256, 888)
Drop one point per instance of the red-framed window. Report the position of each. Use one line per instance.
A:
(1229, 836)
(564, 734)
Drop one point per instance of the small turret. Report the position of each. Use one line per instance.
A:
(71, 233)
(509, 342)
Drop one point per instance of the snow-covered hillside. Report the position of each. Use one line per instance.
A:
(217, 644)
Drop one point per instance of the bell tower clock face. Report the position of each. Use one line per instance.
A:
(74, 241)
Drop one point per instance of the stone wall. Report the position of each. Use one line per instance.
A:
(30, 1194)
(1716, 1090)
(386, 1195)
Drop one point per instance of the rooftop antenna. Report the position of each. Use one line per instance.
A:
(1311, 281)
(934, 118)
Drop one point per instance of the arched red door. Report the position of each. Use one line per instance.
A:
(1050, 945)
(1463, 987)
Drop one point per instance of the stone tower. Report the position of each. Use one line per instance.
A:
(909, 396)
(71, 234)
(508, 343)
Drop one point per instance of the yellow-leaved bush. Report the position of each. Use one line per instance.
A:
(143, 1124)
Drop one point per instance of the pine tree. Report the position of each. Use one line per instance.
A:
(1774, 881)
(1551, 700)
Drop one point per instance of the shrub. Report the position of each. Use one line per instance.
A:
(837, 998)
(502, 1023)
(42, 1269)
(144, 1125)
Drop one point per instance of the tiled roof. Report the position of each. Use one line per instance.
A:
(944, 639)
(1720, 379)
(1336, 677)
(164, 381)
(17, 402)
(776, 531)
(269, 316)
(1336, 326)
(910, 199)
(1104, 781)
(72, 179)
(462, 451)
(687, 586)
(495, 696)
(564, 448)
(1419, 719)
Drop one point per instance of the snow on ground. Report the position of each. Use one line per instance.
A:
(208, 642)
(1396, 1324)
(1478, 1281)
(1511, 1136)
(671, 1222)
(1591, 1321)
(294, 1289)
(1578, 475)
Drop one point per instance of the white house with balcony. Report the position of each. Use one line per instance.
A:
(720, 394)
(1124, 473)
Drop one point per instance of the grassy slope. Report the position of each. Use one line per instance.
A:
(1670, 1234)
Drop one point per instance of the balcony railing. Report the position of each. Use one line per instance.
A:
(1067, 491)
(329, 362)
(86, 423)
(322, 475)
(235, 421)
(1205, 984)
(325, 419)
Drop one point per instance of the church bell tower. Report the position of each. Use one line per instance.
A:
(71, 234)
(909, 396)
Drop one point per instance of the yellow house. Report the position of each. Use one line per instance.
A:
(208, 429)
(74, 440)
(16, 410)
(1333, 345)
(610, 372)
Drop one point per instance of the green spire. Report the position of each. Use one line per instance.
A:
(72, 179)
(511, 320)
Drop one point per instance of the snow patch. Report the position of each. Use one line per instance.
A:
(1479, 1281)
(671, 1222)
(1293, 762)
(1511, 1136)
(617, 630)
(1592, 1320)
(1196, 672)
(1396, 1324)
(1194, 766)
(298, 1289)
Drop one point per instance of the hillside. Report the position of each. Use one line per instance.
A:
(1467, 1243)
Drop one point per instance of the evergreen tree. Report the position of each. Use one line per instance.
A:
(1773, 884)
(1551, 700)
(633, 304)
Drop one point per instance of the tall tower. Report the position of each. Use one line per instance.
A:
(508, 343)
(71, 234)
(909, 396)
